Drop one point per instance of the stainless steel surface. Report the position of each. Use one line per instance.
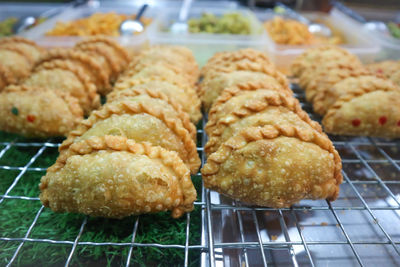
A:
(130, 26)
(360, 228)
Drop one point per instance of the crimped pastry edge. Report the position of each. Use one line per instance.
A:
(251, 134)
(102, 79)
(82, 77)
(279, 99)
(350, 96)
(120, 143)
(126, 107)
(318, 105)
(195, 114)
(111, 43)
(155, 94)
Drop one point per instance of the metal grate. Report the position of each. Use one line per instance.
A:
(361, 228)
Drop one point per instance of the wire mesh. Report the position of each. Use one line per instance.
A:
(362, 227)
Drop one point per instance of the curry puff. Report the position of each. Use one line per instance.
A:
(184, 96)
(321, 55)
(213, 85)
(115, 177)
(255, 108)
(143, 119)
(65, 76)
(325, 99)
(179, 59)
(37, 111)
(366, 111)
(275, 166)
(243, 59)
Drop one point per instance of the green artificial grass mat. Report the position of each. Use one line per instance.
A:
(16, 216)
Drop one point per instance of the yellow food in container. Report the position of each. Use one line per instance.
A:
(292, 32)
(96, 24)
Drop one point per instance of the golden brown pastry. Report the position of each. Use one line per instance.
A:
(326, 78)
(275, 166)
(115, 177)
(143, 119)
(29, 48)
(37, 111)
(185, 96)
(13, 59)
(322, 55)
(65, 76)
(325, 99)
(6, 77)
(175, 56)
(117, 50)
(90, 64)
(212, 86)
(156, 72)
(150, 91)
(241, 58)
(386, 68)
(254, 108)
(395, 78)
(368, 111)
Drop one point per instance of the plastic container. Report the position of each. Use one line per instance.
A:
(8, 10)
(390, 46)
(357, 41)
(38, 33)
(205, 45)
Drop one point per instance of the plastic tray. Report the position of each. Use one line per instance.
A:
(358, 41)
(38, 33)
(204, 45)
(390, 46)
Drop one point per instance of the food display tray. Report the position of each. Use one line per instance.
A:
(205, 45)
(38, 33)
(358, 41)
(360, 228)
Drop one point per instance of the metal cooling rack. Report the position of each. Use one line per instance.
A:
(361, 228)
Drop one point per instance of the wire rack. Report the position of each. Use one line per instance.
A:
(361, 228)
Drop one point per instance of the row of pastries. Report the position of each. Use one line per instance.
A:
(61, 86)
(263, 149)
(354, 99)
(135, 153)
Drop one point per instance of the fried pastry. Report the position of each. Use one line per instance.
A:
(386, 68)
(242, 57)
(115, 177)
(143, 90)
(275, 166)
(212, 87)
(321, 55)
(143, 119)
(37, 111)
(168, 55)
(64, 76)
(325, 99)
(255, 108)
(117, 50)
(367, 112)
(29, 48)
(6, 77)
(395, 78)
(186, 97)
(156, 72)
(90, 64)
(14, 62)
(325, 79)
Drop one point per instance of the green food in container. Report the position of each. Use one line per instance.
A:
(394, 29)
(231, 23)
(6, 26)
